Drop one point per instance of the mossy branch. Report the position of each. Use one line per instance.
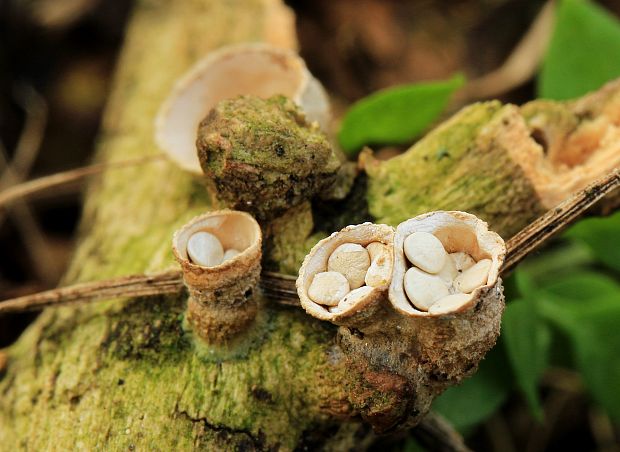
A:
(281, 288)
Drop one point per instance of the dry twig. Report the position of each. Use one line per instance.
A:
(521, 65)
(17, 170)
(26, 189)
(126, 286)
(31, 137)
(556, 219)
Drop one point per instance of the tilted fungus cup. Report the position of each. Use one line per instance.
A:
(244, 69)
(364, 311)
(451, 343)
(458, 232)
(222, 300)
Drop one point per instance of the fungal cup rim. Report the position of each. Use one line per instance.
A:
(488, 245)
(201, 223)
(176, 134)
(316, 262)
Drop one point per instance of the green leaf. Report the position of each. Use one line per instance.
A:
(479, 396)
(597, 358)
(584, 51)
(602, 235)
(555, 262)
(395, 115)
(525, 282)
(527, 340)
(541, 269)
(583, 286)
(593, 327)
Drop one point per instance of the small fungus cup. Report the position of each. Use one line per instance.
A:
(358, 307)
(222, 300)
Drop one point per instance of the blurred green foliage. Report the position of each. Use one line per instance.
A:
(527, 340)
(477, 397)
(601, 234)
(584, 51)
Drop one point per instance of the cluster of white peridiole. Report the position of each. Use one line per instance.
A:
(351, 274)
(437, 280)
(204, 248)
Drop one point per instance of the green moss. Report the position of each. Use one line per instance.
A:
(272, 135)
(289, 239)
(263, 155)
(405, 184)
(458, 166)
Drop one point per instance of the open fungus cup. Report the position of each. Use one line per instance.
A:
(363, 310)
(222, 300)
(458, 232)
(245, 69)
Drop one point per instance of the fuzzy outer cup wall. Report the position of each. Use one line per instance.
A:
(222, 298)
(453, 335)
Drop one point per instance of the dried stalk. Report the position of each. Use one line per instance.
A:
(521, 65)
(126, 286)
(31, 137)
(556, 219)
(25, 189)
(281, 288)
(35, 243)
(17, 170)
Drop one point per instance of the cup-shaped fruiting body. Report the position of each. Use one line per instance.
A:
(455, 306)
(220, 256)
(263, 155)
(444, 262)
(245, 69)
(345, 277)
(442, 315)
